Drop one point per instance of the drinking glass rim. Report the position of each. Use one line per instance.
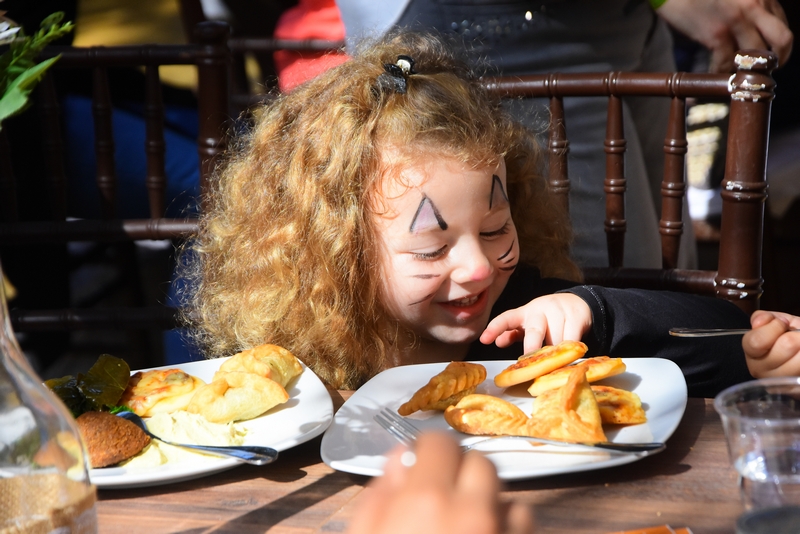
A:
(725, 411)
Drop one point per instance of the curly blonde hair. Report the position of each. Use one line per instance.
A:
(287, 252)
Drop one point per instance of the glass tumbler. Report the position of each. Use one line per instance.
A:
(761, 419)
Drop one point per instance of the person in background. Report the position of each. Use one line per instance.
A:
(580, 36)
(435, 489)
(772, 347)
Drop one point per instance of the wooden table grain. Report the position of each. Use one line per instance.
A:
(690, 484)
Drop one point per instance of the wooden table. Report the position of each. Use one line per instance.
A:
(690, 484)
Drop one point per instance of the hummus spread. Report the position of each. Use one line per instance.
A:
(183, 427)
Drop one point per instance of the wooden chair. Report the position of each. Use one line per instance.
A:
(744, 189)
(241, 46)
(23, 233)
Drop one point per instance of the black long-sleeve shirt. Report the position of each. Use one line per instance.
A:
(635, 323)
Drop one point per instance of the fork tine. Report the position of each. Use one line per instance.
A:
(399, 432)
(402, 422)
(393, 430)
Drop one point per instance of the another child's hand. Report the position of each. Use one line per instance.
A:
(546, 320)
(769, 349)
(442, 491)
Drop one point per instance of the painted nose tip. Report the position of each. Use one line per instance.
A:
(480, 273)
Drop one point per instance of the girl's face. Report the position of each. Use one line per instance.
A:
(448, 247)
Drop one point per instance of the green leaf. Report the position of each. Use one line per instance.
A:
(99, 389)
(19, 72)
(105, 382)
(66, 388)
(16, 97)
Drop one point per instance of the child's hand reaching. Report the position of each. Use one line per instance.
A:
(769, 349)
(546, 320)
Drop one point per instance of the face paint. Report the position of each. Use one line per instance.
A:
(442, 278)
(427, 217)
(507, 252)
(498, 196)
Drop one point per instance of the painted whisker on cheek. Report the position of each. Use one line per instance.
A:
(425, 276)
(428, 297)
(509, 268)
(507, 252)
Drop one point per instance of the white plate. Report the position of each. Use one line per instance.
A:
(306, 414)
(355, 443)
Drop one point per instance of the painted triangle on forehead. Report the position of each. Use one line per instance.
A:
(427, 217)
(498, 195)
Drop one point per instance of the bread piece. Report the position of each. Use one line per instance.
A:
(457, 380)
(110, 439)
(270, 361)
(618, 406)
(486, 415)
(236, 396)
(159, 391)
(569, 413)
(538, 363)
(597, 368)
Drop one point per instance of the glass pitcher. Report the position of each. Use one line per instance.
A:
(44, 480)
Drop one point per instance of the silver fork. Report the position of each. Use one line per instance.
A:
(405, 432)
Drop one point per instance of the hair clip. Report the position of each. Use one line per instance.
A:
(396, 75)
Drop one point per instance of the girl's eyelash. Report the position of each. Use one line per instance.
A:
(430, 255)
(501, 231)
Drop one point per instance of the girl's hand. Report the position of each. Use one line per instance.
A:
(546, 320)
(769, 349)
(437, 489)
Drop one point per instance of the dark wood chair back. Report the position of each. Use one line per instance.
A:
(744, 189)
(51, 224)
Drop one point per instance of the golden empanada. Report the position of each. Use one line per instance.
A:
(540, 362)
(456, 381)
(569, 413)
(597, 368)
(618, 406)
(486, 415)
(159, 391)
(236, 396)
(270, 361)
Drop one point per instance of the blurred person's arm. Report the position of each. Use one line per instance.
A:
(727, 26)
(435, 488)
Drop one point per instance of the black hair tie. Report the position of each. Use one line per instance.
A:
(396, 76)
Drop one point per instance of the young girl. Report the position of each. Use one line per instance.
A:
(383, 212)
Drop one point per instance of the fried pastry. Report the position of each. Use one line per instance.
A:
(236, 396)
(618, 406)
(538, 363)
(270, 361)
(110, 439)
(159, 391)
(569, 413)
(597, 368)
(486, 415)
(456, 381)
